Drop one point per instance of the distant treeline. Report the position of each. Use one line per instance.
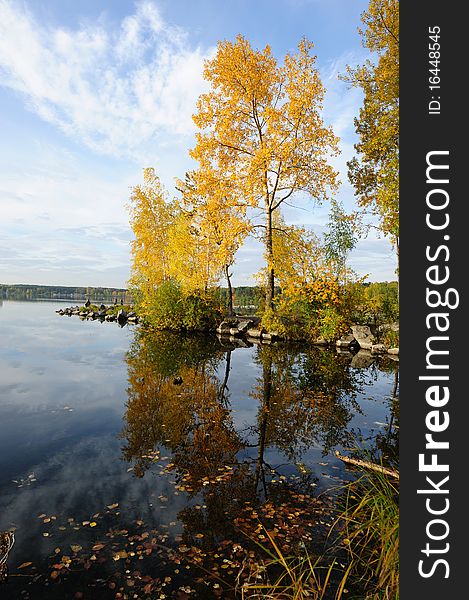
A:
(244, 296)
(51, 292)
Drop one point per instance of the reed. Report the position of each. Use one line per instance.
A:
(297, 577)
(370, 532)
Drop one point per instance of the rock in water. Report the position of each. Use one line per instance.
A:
(363, 335)
(121, 316)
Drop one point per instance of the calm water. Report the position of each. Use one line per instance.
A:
(113, 443)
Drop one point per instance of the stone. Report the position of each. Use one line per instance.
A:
(244, 326)
(393, 351)
(378, 349)
(344, 352)
(224, 328)
(254, 333)
(320, 341)
(345, 341)
(121, 316)
(389, 327)
(363, 335)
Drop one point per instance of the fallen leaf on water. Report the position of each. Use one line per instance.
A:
(45, 534)
(93, 524)
(111, 506)
(76, 547)
(57, 550)
(97, 547)
(24, 565)
(54, 574)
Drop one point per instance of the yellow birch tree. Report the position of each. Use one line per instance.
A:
(151, 218)
(260, 125)
(218, 218)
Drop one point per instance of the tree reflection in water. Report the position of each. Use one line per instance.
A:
(179, 400)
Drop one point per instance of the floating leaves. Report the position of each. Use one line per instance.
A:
(26, 481)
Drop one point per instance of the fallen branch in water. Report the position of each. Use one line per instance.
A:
(7, 540)
(368, 465)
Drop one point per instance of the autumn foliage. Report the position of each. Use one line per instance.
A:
(260, 124)
(261, 142)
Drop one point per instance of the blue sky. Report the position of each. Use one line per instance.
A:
(91, 92)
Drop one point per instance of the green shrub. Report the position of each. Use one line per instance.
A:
(390, 338)
(164, 309)
(169, 308)
(201, 313)
(378, 304)
(298, 319)
(331, 325)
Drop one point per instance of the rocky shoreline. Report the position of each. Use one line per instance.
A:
(360, 342)
(103, 313)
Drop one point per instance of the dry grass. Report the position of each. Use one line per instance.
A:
(298, 578)
(371, 533)
(368, 522)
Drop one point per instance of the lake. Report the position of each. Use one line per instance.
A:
(138, 465)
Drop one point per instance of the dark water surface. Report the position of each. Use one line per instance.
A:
(122, 454)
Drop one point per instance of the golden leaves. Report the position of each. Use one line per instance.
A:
(374, 172)
(261, 126)
(261, 140)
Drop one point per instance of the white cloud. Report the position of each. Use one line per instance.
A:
(114, 91)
